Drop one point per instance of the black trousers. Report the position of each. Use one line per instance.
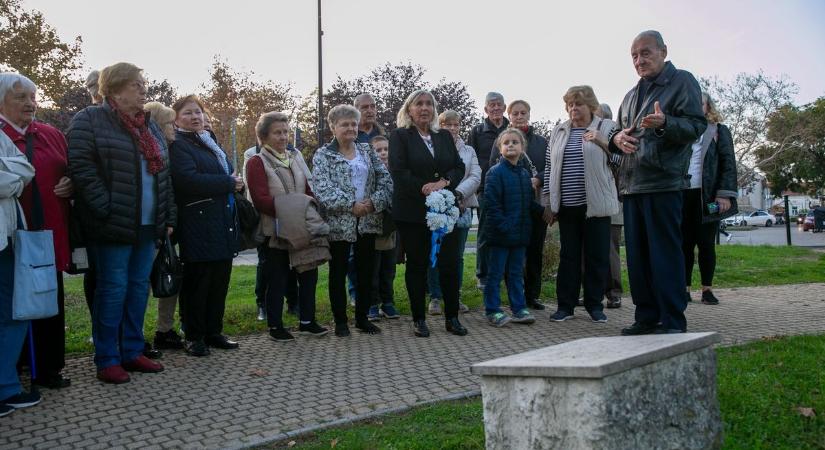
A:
(416, 240)
(696, 234)
(49, 340)
(582, 238)
(203, 297)
(291, 292)
(655, 263)
(383, 276)
(364, 250)
(534, 260)
(277, 274)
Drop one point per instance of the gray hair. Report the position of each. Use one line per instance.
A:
(493, 96)
(362, 96)
(653, 34)
(266, 120)
(339, 112)
(404, 120)
(91, 83)
(9, 79)
(605, 112)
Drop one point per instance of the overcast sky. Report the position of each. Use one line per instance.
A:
(532, 49)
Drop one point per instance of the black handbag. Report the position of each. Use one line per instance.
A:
(167, 273)
(248, 218)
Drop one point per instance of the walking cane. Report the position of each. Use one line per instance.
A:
(32, 365)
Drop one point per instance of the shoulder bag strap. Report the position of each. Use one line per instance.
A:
(37, 204)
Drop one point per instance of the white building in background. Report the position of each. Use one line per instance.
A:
(796, 201)
(755, 196)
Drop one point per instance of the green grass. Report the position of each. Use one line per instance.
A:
(737, 266)
(761, 387)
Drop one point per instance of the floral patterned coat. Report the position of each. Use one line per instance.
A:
(333, 187)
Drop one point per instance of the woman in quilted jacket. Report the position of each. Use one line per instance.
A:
(353, 187)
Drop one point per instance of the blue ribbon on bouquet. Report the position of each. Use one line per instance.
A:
(435, 244)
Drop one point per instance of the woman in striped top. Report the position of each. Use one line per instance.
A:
(580, 194)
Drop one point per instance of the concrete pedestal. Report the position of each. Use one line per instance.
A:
(637, 392)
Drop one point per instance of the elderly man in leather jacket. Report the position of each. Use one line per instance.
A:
(658, 121)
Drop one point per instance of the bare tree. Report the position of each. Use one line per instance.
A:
(747, 104)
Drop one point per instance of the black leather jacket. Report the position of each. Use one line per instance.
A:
(719, 172)
(660, 163)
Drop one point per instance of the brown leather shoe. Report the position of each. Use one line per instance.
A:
(114, 375)
(143, 364)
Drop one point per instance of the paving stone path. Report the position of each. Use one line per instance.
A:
(265, 390)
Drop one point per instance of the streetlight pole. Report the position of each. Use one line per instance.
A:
(320, 82)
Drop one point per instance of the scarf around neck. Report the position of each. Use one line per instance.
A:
(137, 127)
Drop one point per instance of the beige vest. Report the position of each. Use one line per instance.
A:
(296, 177)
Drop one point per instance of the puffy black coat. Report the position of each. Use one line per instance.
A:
(104, 165)
(660, 163)
(509, 205)
(207, 222)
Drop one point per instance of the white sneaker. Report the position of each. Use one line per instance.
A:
(435, 307)
(462, 308)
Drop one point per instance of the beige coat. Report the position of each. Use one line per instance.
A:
(602, 199)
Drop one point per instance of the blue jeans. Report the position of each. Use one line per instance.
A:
(12, 332)
(121, 296)
(499, 258)
(432, 272)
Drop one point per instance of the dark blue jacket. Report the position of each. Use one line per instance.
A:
(207, 222)
(509, 201)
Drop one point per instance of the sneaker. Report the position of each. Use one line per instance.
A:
(614, 302)
(261, 314)
(5, 410)
(367, 327)
(524, 317)
(113, 375)
(435, 307)
(561, 315)
(196, 348)
(388, 310)
(22, 400)
(498, 319)
(481, 284)
(708, 298)
(168, 340)
(462, 308)
(341, 330)
(535, 304)
(221, 341)
(280, 335)
(639, 328)
(312, 328)
(142, 364)
(374, 314)
(420, 328)
(730, 236)
(598, 316)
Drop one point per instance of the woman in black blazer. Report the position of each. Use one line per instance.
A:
(424, 159)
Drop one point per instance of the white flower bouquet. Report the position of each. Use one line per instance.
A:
(442, 215)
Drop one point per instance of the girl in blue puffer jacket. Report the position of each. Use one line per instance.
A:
(509, 201)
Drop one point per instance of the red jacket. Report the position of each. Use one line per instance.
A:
(50, 164)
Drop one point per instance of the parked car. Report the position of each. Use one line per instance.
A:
(760, 218)
(734, 221)
(808, 223)
(800, 219)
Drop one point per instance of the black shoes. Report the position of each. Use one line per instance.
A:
(222, 342)
(535, 304)
(168, 340)
(420, 328)
(342, 329)
(53, 381)
(367, 327)
(639, 328)
(455, 327)
(150, 352)
(708, 298)
(614, 302)
(280, 335)
(196, 348)
(312, 328)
